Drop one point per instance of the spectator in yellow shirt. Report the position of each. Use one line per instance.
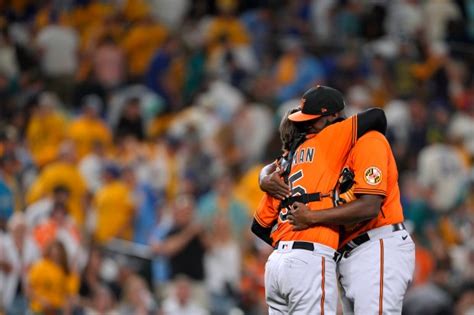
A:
(46, 129)
(140, 43)
(114, 208)
(63, 172)
(134, 10)
(246, 190)
(51, 284)
(81, 17)
(227, 25)
(89, 128)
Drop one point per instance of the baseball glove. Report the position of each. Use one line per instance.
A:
(343, 192)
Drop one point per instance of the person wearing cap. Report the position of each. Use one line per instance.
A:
(313, 166)
(89, 128)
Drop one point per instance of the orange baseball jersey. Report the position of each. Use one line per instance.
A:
(376, 173)
(315, 168)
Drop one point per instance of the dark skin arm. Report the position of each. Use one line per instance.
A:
(366, 207)
(271, 182)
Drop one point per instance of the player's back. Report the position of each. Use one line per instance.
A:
(376, 173)
(315, 168)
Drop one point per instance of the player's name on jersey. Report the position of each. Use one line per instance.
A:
(303, 155)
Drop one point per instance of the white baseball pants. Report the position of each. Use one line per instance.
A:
(375, 275)
(299, 281)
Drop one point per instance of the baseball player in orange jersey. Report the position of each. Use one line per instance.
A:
(377, 255)
(300, 275)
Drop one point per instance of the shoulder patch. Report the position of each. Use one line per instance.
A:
(373, 175)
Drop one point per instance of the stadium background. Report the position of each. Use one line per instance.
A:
(132, 132)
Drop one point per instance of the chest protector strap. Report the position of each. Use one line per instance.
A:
(304, 198)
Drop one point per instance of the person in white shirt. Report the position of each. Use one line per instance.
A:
(181, 301)
(443, 174)
(40, 211)
(222, 267)
(92, 165)
(58, 47)
(18, 251)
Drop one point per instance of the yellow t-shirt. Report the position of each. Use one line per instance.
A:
(247, 190)
(84, 132)
(230, 27)
(47, 280)
(140, 44)
(285, 70)
(65, 174)
(82, 17)
(135, 10)
(114, 212)
(44, 134)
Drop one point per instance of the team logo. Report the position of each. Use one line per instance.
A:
(373, 175)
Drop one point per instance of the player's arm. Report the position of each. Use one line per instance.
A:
(366, 207)
(371, 119)
(262, 232)
(271, 181)
(264, 219)
(370, 165)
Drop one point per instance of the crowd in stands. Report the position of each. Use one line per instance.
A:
(132, 133)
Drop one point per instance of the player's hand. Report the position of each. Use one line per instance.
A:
(274, 185)
(299, 216)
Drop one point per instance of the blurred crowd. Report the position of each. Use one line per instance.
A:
(141, 126)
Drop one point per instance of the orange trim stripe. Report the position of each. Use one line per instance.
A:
(260, 221)
(354, 130)
(381, 278)
(323, 280)
(370, 191)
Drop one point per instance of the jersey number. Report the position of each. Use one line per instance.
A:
(295, 191)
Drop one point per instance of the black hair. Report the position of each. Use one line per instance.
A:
(289, 131)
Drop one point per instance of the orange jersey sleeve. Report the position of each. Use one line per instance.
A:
(371, 165)
(267, 211)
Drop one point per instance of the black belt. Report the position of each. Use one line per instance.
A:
(359, 240)
(300, 245)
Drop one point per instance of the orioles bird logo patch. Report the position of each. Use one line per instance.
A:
(373, 175)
